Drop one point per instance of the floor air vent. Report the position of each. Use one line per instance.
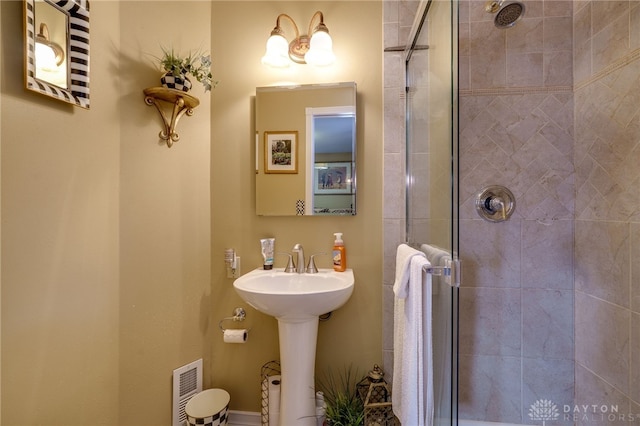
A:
(187, 381)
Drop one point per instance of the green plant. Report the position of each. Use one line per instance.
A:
(195, 63)
(344, 407)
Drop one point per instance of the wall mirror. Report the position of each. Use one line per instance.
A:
(306, 150)
(57, 49)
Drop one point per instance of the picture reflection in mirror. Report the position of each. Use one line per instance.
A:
(332, 159)
(323, 117)
(50, 44)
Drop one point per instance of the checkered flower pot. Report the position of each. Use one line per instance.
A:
(178, 82)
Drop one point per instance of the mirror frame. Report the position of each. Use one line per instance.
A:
(301, 199)
(77, 48)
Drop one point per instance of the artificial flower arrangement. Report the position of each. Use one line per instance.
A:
(195, 64)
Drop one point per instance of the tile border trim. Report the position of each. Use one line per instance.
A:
(615, 66)
(515, 91)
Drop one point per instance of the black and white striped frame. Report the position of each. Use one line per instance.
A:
(77, 50)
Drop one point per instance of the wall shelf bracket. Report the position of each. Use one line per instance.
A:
(182, 102)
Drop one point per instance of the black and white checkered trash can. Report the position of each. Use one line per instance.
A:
(208, 408)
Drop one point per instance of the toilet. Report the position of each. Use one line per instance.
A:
(208, 408)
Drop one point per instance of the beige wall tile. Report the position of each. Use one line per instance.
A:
(602, 266)
(524, 70)
(606, 13)
(547, 323)
(634, 372)
(556, 65)
(635, 26)
(549, 244)
(602, 339)
(589, 388)
(558, 8)
(558, 34)
(611, 43)
(526, 36)
(490, 388)
(635, 267)
(547, 379)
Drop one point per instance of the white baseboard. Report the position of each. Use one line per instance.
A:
(244, 418)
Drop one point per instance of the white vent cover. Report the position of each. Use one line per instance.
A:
(187, 381)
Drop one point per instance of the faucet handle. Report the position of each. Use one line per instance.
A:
(291, 267)
(311, 266)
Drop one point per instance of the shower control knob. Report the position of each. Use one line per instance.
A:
(495, 203)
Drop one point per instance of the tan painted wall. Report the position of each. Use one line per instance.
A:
(112, 271)
(352, 335)
(106, 267)
(60, 257)
(165, 307)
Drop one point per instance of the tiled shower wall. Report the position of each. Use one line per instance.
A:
(516, 130)
(577, 198)
(607, 227)
(398, 18)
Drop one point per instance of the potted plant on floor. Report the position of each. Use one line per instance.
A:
(344, 407)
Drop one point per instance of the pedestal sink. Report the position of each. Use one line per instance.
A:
(296, 300)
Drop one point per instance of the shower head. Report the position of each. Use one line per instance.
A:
(509, 15)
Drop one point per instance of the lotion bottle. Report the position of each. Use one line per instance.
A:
(339, 254)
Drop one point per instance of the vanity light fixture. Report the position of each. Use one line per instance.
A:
(49, 54)
(314, 48)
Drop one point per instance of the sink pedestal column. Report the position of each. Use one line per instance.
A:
(298, 339)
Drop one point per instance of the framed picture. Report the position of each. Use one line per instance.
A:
(332, 178)
(281, 152)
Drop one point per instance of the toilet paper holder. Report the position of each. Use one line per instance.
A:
(239, 314)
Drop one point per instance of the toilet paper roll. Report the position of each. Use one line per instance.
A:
(274, 400)
(235, 336)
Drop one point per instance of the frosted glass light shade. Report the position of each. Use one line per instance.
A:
(45, 57)
(277, 53)
(320, 51)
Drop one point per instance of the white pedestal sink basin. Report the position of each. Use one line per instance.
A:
(296, 300)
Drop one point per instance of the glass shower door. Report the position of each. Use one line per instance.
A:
(432, 173)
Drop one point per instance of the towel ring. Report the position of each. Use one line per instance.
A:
(239, 314)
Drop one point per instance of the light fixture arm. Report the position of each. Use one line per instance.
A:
(320, 27)
(278, 30)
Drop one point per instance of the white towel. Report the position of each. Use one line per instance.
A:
(413, 354)
(403, 261)
(435, 255)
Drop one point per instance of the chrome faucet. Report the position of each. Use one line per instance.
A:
(300, 263)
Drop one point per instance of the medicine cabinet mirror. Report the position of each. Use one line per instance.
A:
(57, 49)
(306, 150)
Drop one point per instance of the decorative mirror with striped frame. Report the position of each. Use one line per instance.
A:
(64, 24)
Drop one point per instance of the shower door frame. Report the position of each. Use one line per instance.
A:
(452, 160)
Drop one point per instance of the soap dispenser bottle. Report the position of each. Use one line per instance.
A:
(339, 254)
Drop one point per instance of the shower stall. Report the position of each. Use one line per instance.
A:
(431, 172)
(549, 305)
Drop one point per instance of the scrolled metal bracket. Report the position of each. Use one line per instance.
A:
(183, 103)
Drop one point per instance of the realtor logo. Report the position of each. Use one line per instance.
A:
(543, 410)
